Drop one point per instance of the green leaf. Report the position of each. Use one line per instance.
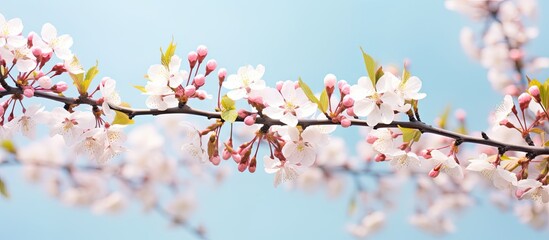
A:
(122, 118)
(228, 111)
(409, 134)
(90, 75)
(140, 88)
(3, 189)
(9, 146)
(370, 66)
(379, 73)
(229, 116)
(307, 90)
(444, 117)
(166, 57)
(323, 102)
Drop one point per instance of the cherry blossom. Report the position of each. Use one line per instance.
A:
(26, 123)
(10, 33)
(70, 125)
(247, 79)
(534, 189)
(377, 103)
(500, 177)
(110, 95)
(446, 164)
(60, 45)
(287, 105)
(168, 75)
(301, 148)
(284, 171)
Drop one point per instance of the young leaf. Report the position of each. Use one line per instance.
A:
(140, 88)
(444, 117)
(405, 75)
(122, 118)
(8, 146)
(409, 134)
(166, 57)
(307, 91)
(228, 111)
(323, 102)
(379, 73)
(3, 189)
(370, 66)
(90, 74)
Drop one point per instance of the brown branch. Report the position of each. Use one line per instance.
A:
(185, 109)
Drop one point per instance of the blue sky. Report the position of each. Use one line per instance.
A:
(291, 38)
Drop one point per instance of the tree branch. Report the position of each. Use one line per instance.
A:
(185, 109)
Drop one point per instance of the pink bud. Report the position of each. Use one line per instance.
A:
(215, 160)
(345, 122)
(199, 80)
(460, 114)
(426, 153)
(190, 90)
(46, 56)
(534, 91)
(45, 82)
(61, 87)
(242, 113)
(237, 158)
(350, 111)
(524, 99)
(210, 66)
(255, 99)
(221, 74)
(226, 154)
(380, 158)
(371, 139)
(28, 92)
(59, 68)
(434, 173)
(192, 57)
(346, 89)
(201, 94)
(37, 52)
(330, 80)
(242, 167)
(279, 85)
(515, 54)
(341, 83)
(249, 120)
(348, 101)
(202, 52)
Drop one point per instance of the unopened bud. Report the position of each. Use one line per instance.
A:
(201, 94)
(249, 120)
(345, 122)
(215, 160)
(426, 153)
(341, 83)
(279, 85)
(190, 90)
(524, 100)
(346, 89)
(37, 52)
(28, 92)
(348, 101)
(253, 165)
(202, 52)
(460, 114)
(192, 57)
(350, 111)
(330, 80)
(242, 167)
(45, 82)
(534, 91)
(199, 80)
(434, 173)
(506, 123)
(380, 158)
(210, 66)
(61, 87)
(226, 154)
(371, 139)
(58, 69)
(221, 74)
(516, 54)
(237, 158)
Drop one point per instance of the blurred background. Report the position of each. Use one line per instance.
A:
(306, 38)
